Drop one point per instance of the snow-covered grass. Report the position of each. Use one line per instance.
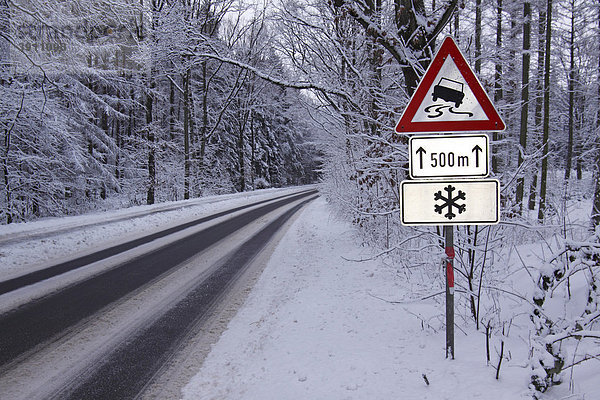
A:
(321, 326)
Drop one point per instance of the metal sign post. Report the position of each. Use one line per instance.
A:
(449, 238)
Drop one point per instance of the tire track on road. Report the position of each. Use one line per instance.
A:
(126, 371)
(37, 322)
(46, 273)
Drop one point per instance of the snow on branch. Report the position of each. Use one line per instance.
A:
(550, 339)
(275, 80)
(389, 40)
(392, 43)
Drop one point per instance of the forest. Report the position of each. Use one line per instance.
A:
(113, 103)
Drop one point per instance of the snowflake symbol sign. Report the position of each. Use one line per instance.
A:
(449, 201)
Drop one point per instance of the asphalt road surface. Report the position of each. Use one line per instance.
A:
(111, 334)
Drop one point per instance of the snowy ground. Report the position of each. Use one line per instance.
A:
(315, 327)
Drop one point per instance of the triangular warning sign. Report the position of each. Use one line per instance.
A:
(449, 98)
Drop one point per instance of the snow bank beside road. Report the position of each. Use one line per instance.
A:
(312, 330)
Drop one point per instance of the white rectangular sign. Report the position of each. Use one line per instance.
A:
(449, 156)
(451, 202)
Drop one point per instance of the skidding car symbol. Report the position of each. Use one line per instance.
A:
(450, 91)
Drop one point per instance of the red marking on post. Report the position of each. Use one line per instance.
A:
(450, 274)
(449, 268)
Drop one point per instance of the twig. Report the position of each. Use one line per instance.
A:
(413, 300)
(500, 360)
(387, 251)
(584, 359)
(488, 333)
(524, 266)
(487, 240)
(512, 223)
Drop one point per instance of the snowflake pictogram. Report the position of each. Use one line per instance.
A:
(450, 202)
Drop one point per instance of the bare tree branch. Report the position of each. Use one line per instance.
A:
(277, 81)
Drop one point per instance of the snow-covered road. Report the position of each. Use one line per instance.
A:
(26, 247)
(108, 328)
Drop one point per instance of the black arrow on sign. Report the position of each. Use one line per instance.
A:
(477, 149)
(420, 151)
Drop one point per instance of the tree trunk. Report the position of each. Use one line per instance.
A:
(569, 161)
(478, 37)
(524, 103)
(512, 67)
(131, 120)
(406, 24)
(241, 164)
(150, 196)
(545, 139)
(457, 24)
(194, 151)
(204, 129)
(375, 60)
(5, 58)
(117, 135)
(579, 112)
(409, 18)
(596, 205)
(186, 134)
(539, 103)
(4, 71)
(171, 110)
(252, 151)
(498, 94)
(104, 127)
(151, 150)
(7, 188)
